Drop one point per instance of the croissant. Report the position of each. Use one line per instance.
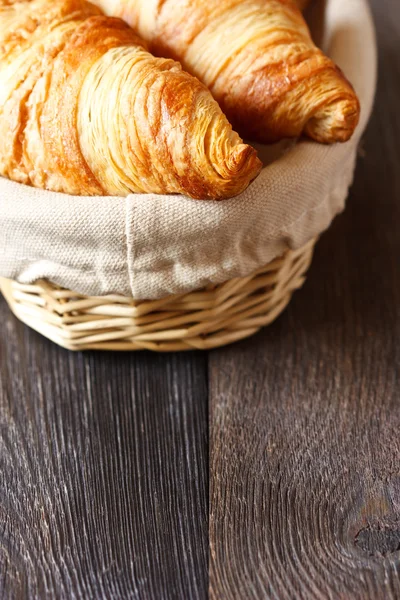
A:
(258, 60)
(86, 109)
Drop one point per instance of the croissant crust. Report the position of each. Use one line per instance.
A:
(86, 109)
(257, 58)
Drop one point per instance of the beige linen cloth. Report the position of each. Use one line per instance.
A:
(149, 246)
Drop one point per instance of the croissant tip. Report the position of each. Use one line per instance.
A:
(243, 166)
(244, 158)
(338, 123)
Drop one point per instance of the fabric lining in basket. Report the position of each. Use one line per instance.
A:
(202, 320)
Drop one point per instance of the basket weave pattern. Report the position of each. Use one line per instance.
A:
(215, 316)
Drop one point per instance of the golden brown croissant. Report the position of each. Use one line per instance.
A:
(85, 109)
(258, 60)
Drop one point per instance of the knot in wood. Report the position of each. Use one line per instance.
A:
(380, 538)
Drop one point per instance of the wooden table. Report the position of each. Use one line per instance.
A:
(278, 458)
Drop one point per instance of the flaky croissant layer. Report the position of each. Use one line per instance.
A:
(86, 109)
(258, 59)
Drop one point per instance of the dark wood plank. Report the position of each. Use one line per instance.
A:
(103, 466)
(305, 418)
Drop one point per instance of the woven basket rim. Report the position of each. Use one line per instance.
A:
(206, 319)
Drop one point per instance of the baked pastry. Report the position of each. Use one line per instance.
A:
(257, 58)
(85, 109)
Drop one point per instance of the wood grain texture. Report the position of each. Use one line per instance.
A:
(305, 417)
(103, 466)
(103, 457)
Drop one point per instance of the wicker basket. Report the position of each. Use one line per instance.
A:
(155, 243)
(215, 316)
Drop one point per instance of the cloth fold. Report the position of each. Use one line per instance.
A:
(150, 246)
